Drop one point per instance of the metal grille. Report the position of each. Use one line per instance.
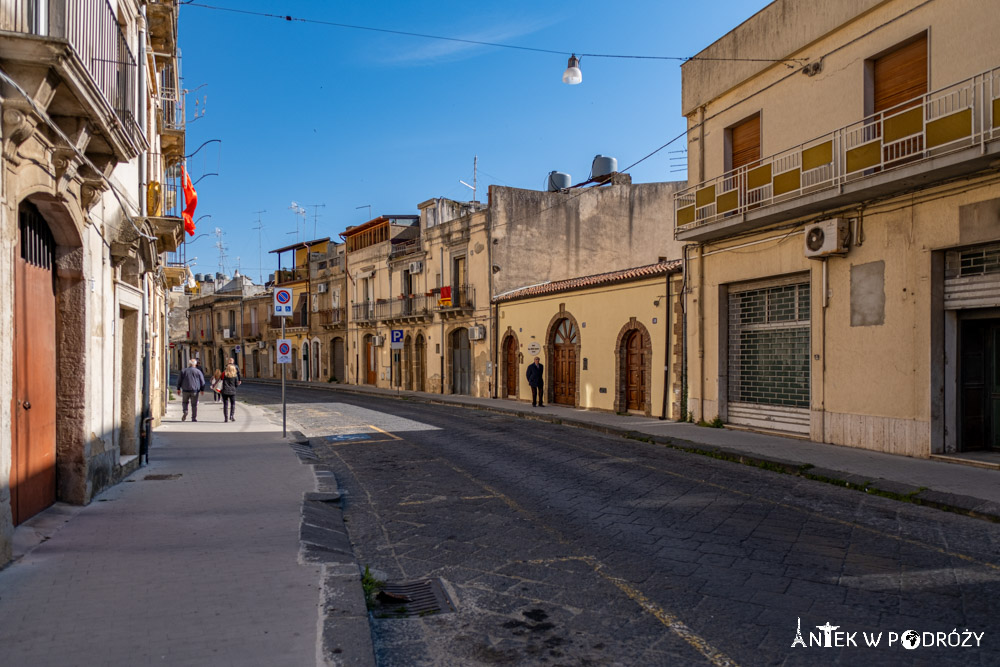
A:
(769, 345)
(38, 246)
(980, 261)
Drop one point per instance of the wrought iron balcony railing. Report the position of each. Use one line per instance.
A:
(402, 307)
(363, 312)
(93, 32)
(405, 248)
(948, 120)
(297, 319)
(329, 317)
(463, 297)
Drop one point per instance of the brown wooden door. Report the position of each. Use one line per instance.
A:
(745, 143)
(510, 356)
(900, 76)
(33, 470)
(635, 373)
(418, 363)
(370, 366)
(564, 359)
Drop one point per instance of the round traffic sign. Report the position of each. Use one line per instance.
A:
(284, 348)
(283, 296)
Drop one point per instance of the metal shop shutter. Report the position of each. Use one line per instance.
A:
(972, 278)
(769, 350)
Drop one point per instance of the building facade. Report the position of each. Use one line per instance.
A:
(88, 93)
(842, 238)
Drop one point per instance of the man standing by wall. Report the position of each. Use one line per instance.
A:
(191, 384)
(536, 380)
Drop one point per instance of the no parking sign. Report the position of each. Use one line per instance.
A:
(283, 303)
(284, 351)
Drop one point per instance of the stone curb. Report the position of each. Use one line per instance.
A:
(949, 502)
(344, 629)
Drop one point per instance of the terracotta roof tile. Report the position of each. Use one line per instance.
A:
(610, 278)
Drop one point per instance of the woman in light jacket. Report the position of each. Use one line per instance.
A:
(230, 381)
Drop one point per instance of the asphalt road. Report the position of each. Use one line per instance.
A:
(562, 546)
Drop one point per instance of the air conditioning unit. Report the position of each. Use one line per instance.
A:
(322, 287)
(827, 237)
(378, 341)
(416, 267)
(477, 332)
(262, 344)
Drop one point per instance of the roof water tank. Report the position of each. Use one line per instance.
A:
(219, 277)
(270, 277)
(199, 277)
(558, 181)
(602, 166)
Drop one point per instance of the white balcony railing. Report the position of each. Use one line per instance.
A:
(947, 120)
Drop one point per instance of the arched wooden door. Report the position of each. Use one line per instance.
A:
(371, 369)
(461, 362)
(418, 363)
(510, 363)
(33, 468)
(564, 344)
(408, 363)
(635, 372)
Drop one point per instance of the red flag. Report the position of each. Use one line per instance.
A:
(190, 202)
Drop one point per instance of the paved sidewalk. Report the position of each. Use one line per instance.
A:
(199, 568)
(966, 489)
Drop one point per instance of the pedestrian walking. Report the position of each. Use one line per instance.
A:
(217, 385)
(230, 381)
(190, 384)
(536, 380)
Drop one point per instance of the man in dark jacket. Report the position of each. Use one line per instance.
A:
(536, 380)
(191, 384)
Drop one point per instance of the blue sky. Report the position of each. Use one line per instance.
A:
(348, 118)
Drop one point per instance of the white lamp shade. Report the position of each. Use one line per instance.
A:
(573, 75)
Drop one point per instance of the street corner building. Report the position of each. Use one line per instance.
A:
(841, 231)
(92, 140)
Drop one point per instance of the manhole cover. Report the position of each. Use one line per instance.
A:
(410, 599)
(175, 475)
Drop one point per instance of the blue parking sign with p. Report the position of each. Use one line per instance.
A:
(395, 339)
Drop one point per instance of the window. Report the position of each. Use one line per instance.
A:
(899, 75)
(744, 143)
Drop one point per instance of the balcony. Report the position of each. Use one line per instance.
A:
(404, 248)
(462, 301)
(162, 18)
(82, 42)
(172, 123)
(330, 318)
(254, 331)
(363, 312)
(404, 309)
(284, 276)
(298, 320)
(945, 134)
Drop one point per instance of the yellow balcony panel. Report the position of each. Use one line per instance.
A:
(685, 216)
(817, 156)
(864, 156)
(705, 196)
(949, 128)
(727, 201)
(758, 177)
(789, 181)
(902, 125)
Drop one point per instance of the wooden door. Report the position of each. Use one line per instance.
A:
(370, 363)
(564, 360)
(408, 363)
(461, 362)
(418, 363)
(338, 359)
(510, 357)
(745, 143)
(900, 76)
(635, 373)
(33, 469)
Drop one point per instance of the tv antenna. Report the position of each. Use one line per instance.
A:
(298, 210)
(368, 206)
(316, 208)
(260, 261)
(221, 247)
(475, 178)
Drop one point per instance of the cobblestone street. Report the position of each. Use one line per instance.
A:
(565, 546)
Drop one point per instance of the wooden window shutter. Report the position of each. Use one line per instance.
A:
(900, 75)
(745, 143)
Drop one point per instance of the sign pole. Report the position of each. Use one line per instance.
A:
(283, 406)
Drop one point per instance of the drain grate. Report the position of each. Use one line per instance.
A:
(175, 475)
(411, 599)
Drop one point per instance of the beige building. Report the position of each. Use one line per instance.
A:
(90, 133)
(329, 305)
(843, 251)
(608, 342)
